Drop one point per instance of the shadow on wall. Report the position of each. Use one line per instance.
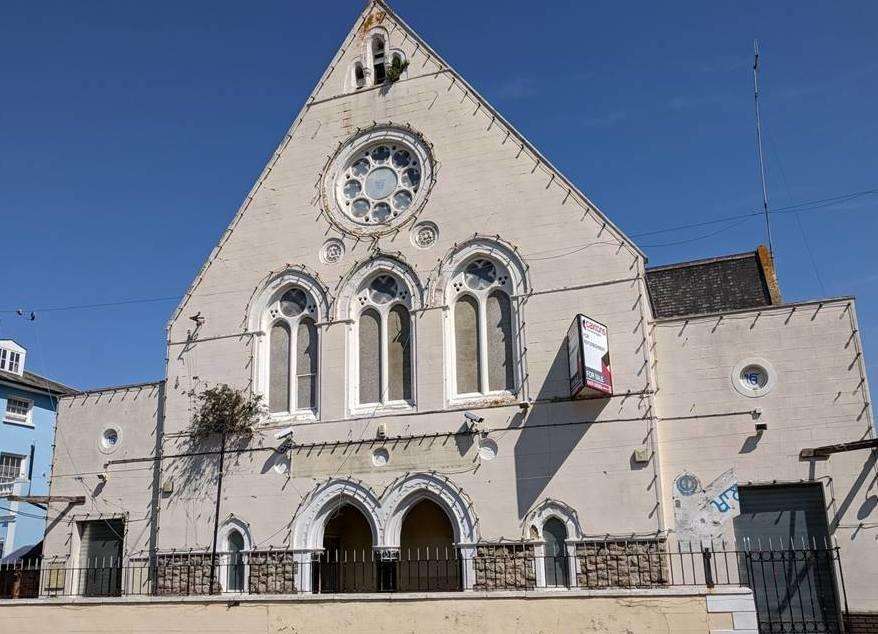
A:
(545, 444)
(196, 476)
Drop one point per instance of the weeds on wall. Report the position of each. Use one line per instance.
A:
(397, 68)
(225, 411)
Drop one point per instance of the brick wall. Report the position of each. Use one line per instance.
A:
(861, 623)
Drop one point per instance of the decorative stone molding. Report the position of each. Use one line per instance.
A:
(332, 251)
(353, 282)
(407, 491)
(532, 526)
(339, 167)
(425, 235)
(491, 247)
(311, 518)
(275, 284)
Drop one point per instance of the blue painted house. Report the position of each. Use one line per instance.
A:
(27, 428)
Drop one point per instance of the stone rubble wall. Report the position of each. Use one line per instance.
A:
(504, 567)
(184, 575)
(621, 564)
(272, 572)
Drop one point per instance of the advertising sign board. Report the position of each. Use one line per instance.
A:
(588, 357)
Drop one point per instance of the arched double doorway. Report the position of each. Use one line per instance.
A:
(419, 535)
(426, 559)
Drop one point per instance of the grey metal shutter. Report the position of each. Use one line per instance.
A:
(787, 557)
(781, 513)
(100, 558)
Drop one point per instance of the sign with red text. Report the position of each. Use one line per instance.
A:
(588, 357)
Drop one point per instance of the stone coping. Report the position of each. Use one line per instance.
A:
(232, 598)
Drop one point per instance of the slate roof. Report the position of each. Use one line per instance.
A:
(35, 382)
(714, 285)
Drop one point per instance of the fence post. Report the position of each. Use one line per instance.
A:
(708, 569)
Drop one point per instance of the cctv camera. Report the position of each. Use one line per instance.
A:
(284, 433)
(473, 417)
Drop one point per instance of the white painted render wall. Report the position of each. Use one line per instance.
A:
(580, 453)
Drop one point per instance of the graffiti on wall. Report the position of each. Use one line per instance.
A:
(700, 512)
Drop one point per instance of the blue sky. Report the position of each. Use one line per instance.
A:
(130, 132)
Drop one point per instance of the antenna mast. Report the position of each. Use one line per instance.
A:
(759, 143)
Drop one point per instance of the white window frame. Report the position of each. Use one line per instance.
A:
(22, 472)
(457, 288)
(10, 358)
(274, 316)
(234, 524)
(363, 303)
(15, 419)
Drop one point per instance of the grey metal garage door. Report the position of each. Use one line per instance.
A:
(788, 560)
(100, 558)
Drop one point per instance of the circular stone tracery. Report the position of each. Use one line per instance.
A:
(377, 180)
(380, 183)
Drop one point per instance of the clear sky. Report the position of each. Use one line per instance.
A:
(131, 131)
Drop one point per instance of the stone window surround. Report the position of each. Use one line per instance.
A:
(350, 307)
(232, 523)
(508, 264)
(364, 60)
(260, 323)
(534, 522)
(338, 163)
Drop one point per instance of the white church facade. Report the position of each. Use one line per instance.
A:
(398, 287)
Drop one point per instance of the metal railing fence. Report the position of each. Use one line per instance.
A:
(797, 587)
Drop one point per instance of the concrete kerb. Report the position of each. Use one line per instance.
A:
(395, 597)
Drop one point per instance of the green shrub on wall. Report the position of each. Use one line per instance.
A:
(224, 410)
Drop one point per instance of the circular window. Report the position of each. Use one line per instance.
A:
(380, 457)
(109, 440)
(377, 179)
(383, 289)
(480, 274)
(379, 183)
(294, 302)
(753, 377)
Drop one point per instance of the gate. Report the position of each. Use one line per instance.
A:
(787, 558)
(794, 587)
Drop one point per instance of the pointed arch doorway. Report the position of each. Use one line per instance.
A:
(346, 563)
(428, 557)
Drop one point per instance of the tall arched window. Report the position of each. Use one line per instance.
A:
(234, 544)
(384, 330)
(235, 568)
(378, 68)
(359, 76)
(555, 558)
(484, 334)
(293, 353)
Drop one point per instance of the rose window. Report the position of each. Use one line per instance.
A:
(380, 183)
(378, 179)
